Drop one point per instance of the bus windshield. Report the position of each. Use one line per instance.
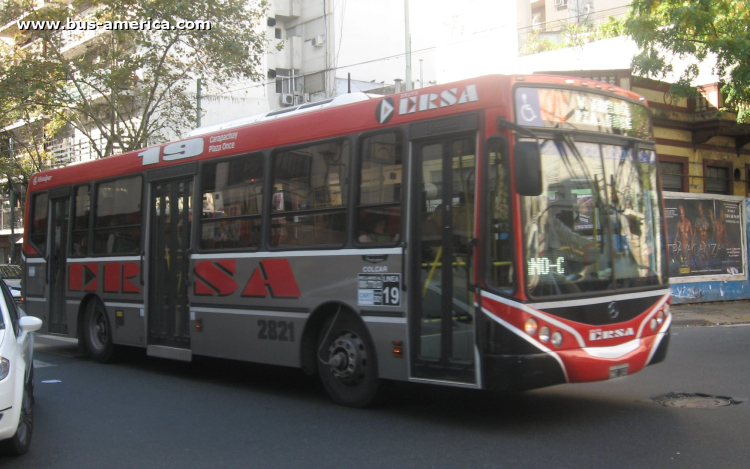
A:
(596, 225)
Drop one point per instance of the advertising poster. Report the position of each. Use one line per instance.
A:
(705, 237)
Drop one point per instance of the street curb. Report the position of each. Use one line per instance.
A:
(691, 322)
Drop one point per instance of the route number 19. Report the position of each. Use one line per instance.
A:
(173, 151)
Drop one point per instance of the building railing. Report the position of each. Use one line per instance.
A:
(67, 151)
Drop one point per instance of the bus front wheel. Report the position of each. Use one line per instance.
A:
(347, 365)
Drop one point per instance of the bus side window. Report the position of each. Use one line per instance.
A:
(81, 217)
(232, 203)
(117, 225)
(309, 200)
(499, 266)
(379, 195)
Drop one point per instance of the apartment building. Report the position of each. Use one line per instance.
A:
(547, 18)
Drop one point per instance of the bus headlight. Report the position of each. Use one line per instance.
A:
(660, 317)
(544, 334)
(531, 326)
(4, 368)
(653, 324)
(557, 339)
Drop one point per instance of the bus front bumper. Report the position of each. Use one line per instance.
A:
(525, 372)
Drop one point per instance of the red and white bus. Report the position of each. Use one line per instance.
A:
(502, 232)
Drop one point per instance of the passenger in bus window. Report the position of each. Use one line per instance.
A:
(79, 245)
(374, 230)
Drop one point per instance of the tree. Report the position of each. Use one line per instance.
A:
(572, 35)
(131, 82)
(715, 32)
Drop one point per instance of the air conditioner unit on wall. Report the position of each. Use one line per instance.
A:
(318, 41)
(561, 3)
(287, 99)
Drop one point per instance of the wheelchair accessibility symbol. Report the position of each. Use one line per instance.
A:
(527, 111)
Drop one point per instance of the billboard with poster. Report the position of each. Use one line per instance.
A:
(706, 237)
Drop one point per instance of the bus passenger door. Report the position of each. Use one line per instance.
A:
(168, 307)
(58, 318)
(443, 327)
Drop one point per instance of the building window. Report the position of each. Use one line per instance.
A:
(538, 17)
(278, 33)
(671, 176)
(674, 173)
(716, 177)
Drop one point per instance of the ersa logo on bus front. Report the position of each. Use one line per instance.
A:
(188, 148)
(413, 101)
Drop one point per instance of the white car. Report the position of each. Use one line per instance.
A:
(11, 275)
(16, 375)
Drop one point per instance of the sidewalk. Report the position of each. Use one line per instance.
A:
(711, 314)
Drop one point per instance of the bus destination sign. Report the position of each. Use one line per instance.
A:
(582, 110)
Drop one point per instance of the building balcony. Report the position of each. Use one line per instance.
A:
(75, 42)
(5, 220)
(285, 10)
(289, 57)
(9, 18)
(71, 150)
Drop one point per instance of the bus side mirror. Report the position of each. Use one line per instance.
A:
(528, 168)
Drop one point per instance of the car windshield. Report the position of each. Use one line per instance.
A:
(596, 225)
(10, 272)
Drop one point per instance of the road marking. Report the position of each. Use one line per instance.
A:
(41, 364)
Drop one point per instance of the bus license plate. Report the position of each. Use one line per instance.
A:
(618, 371)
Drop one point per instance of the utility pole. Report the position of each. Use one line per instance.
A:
(408, 46)
(12, 210)
(421, 74)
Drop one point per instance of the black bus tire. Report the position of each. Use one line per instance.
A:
(97, 333)
(347, 364)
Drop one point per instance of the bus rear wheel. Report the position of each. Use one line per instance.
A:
(347, 365)
(97, 333)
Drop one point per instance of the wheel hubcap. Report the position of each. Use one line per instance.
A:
(98, 329)
(348, 358)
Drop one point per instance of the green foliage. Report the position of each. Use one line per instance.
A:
(123, 89)
(716, 32)
(572, 35)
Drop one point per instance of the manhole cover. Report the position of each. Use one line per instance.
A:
(694, 400)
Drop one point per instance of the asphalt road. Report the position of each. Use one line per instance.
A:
(152, 413)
